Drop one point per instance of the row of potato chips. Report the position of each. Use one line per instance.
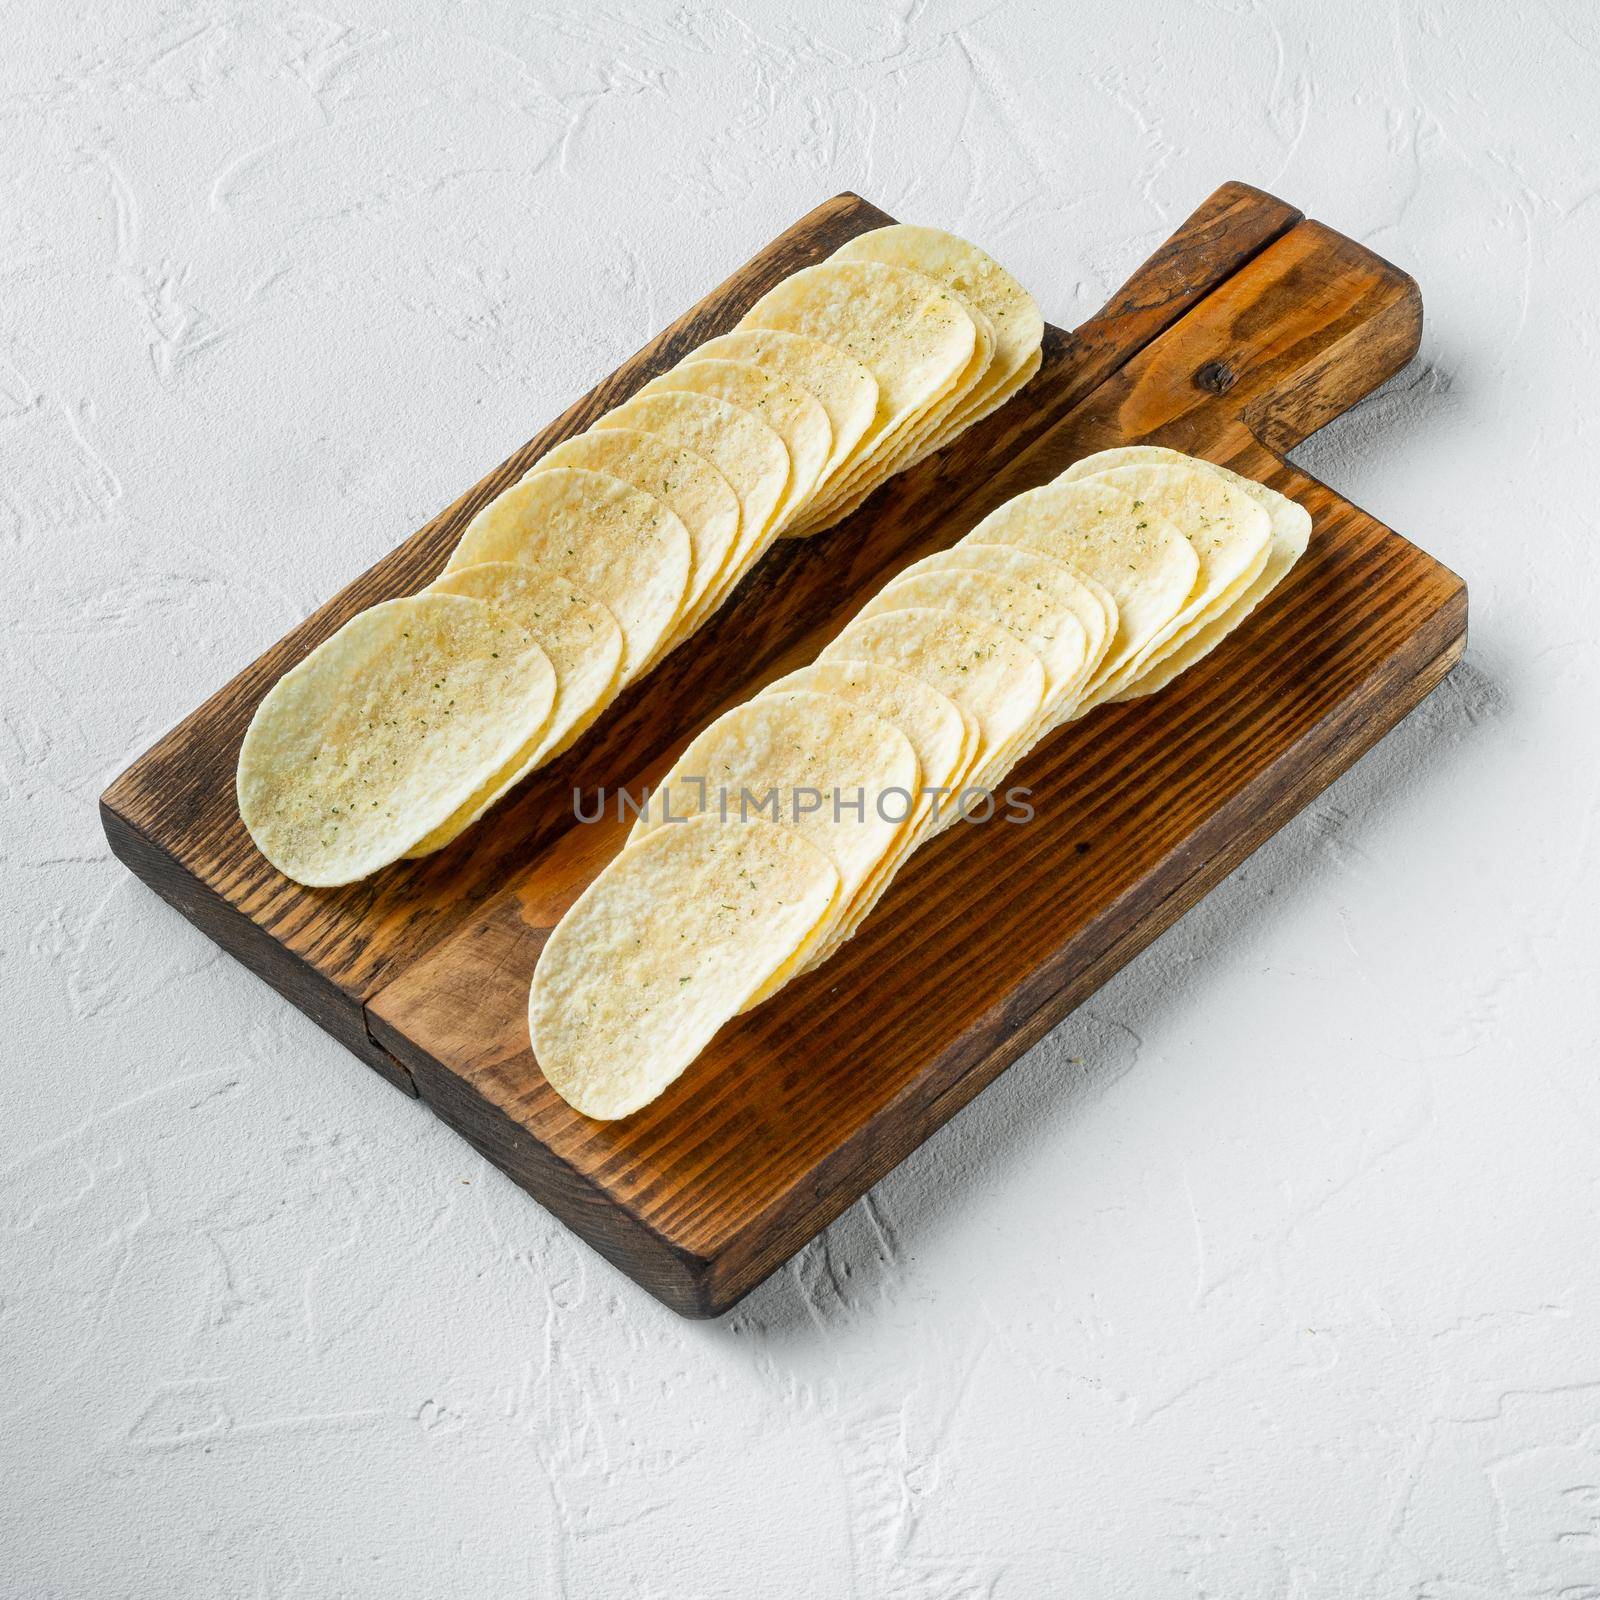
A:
(782, 824)
(404, 728)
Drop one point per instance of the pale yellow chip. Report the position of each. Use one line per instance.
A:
(1291, 532)
(844, 777)
(384, 730)
(844, 388)
(912, 444)
(943, 736)
(1142, 560)
(1088, 601)
(924, 434)
(1231, 535)
(998, 682)
(1007, 354)
(664, 947)
(795, 415)
(584, 644)
(901, 460)
(703, 499)
(807, 760)
(614, 543)
(918, 435)
(748, 453)
(1003, 396)
(1035, 619)
(911, 333)
(983, 284)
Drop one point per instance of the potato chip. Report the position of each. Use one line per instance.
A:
(1291, 531)
(1231, 535)
(842, 385)
(994, 679)
(844, 777)
(848, 912)
(384, 731)
(584, 645)
(925, 433)
(614, 543)
(1045, 626)
(1009, 322)
(1145, 563)
(1088, 601)
(916, 437)
(837, 508)
(748, 453)
(663, 948)
(943, 736)
(1004, 395)
(983, 284)
(703, 499)
(793, 414)
(911, 333)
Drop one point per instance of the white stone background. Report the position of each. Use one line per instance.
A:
(1272, 1273)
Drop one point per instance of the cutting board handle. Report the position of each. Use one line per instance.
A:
(1298, 334)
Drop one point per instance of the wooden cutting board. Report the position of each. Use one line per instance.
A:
(1247, 330)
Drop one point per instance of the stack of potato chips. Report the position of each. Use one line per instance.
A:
(782, 824)
(404, 728)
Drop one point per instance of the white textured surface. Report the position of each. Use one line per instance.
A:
(1272, 1273)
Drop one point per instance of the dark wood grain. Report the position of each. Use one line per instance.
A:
(1245, 332)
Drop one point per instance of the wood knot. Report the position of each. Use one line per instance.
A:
(1216, 377)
